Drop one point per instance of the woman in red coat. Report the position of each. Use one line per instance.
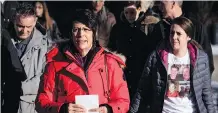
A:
(82, 67)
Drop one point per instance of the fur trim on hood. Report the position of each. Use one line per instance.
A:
(118, 55)
(143, 18)
(52, 54)
(121, 56)
(150, 20)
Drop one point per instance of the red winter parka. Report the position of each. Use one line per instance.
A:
(63, 79)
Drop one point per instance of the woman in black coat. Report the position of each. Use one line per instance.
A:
(129, 39)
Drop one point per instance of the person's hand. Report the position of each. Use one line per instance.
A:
(101, 109)
(75, 108)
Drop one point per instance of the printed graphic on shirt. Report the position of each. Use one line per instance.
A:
(177, 98)
(179, 80)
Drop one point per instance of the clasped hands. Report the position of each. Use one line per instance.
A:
(75, 108)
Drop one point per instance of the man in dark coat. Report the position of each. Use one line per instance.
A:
(171, 10)
(13, 71)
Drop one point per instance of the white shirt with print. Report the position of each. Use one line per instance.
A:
(177, 95)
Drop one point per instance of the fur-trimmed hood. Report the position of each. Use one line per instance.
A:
(118, 55)
(146, 16)
(143, 18)
(60, 48)
(150, 19)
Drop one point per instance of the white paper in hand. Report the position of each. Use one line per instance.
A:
(88, 101)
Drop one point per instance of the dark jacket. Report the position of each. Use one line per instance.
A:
(11, 67)
(8, 10)
(131, 41)
(162, 31)
(54, 34)
(152, 87)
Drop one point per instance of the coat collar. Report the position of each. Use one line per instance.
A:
(94, 58)
(62, 51)
(164, 48)
(76, 69)
(36, 40)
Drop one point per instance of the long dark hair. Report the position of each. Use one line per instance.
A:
(48, 20)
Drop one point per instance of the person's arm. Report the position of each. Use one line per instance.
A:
(207, 90)
(206, 45)
(112, 19)
(141, 99)
(45, 102)
(57, 36)
(201, 36)
(9, 49)
(119, 94)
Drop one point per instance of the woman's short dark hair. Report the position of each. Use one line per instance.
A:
(86, 17)
(186, 25)
(137, 4)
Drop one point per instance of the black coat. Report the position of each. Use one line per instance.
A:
(162, 31)
(130, 40)
(152, 86)
(8, 11)
(53, 34)
(12, 72)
